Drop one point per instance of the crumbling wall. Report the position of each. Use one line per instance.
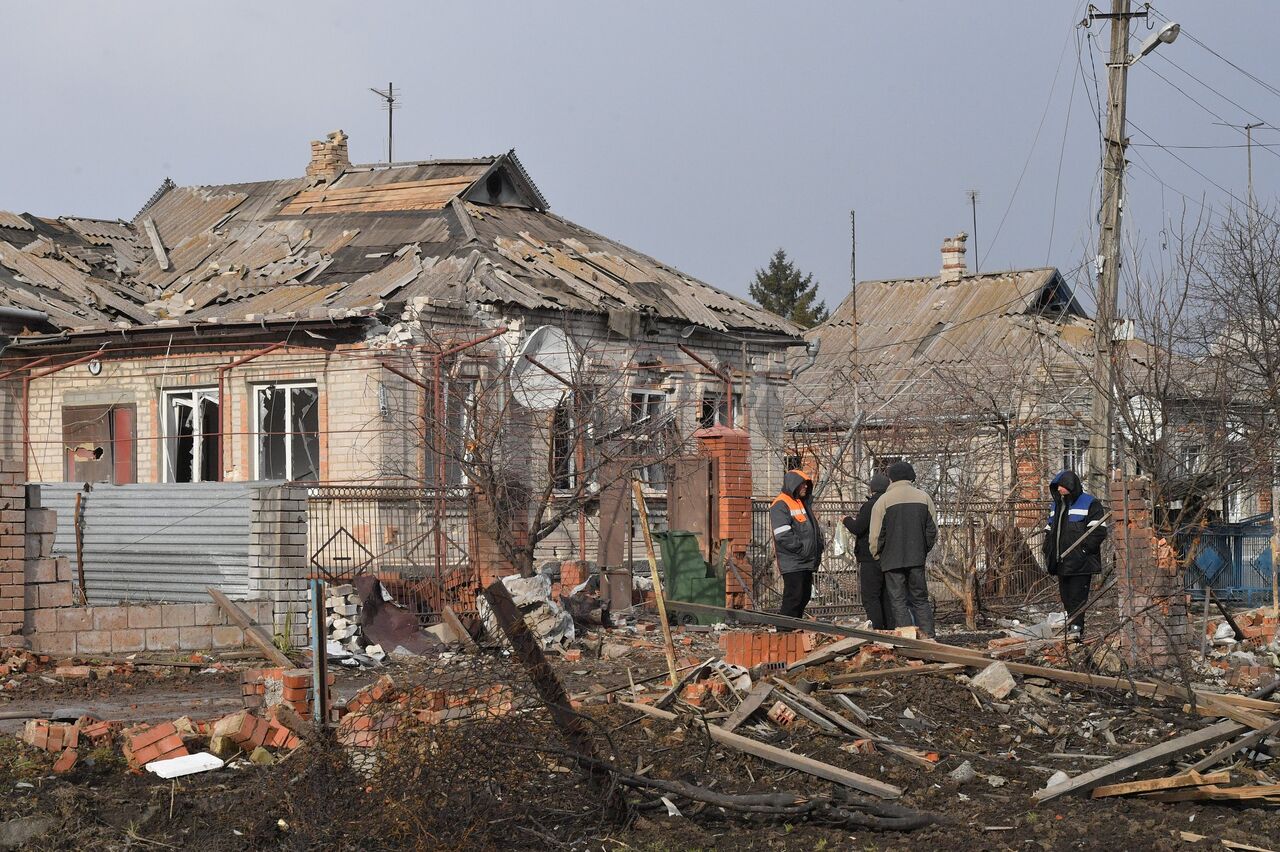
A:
(13, 524)
(1153, 604)
(732, 450)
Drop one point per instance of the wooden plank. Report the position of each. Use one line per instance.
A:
(637, 491)
(1214, 793)
(1213, 705)
(1154, 756)
(827, 653)
(782, 757)
(756, 697)
(252, 631)
(910, 755)
(936, 651)
(1185, 779)
(1234, 746)
(876, 674)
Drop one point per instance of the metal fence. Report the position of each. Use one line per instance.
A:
(415, 540)
(995, 539)
(1232, 559)
(154, 542)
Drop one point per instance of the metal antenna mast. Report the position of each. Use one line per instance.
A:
(973, 204)
(389, 97)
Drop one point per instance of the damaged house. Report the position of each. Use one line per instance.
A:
(339, 328)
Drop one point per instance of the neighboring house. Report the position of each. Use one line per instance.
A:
(284, 330)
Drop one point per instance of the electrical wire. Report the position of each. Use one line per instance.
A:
(1190, 35)
(1057, 179)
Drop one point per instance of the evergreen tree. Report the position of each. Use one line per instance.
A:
(782, 289)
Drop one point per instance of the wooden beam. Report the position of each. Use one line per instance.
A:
(449, 617)
(754, 699)
(1251, 738)
(827, 653)
(1154, 756)
(1185, 779)
(875, 674)
(670, 695)
(252, 631)
(157, 247)
(1212, 792)
(782, 757)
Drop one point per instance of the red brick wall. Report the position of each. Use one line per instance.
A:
(1148, 581)
(732, 450)
(1033, 474)
(749, 649)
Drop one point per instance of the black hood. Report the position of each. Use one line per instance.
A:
(900, 470)
(878, 484)
(1070, 481)
(793, 480)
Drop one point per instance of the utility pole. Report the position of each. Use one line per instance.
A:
(857, 375)
(1100, 438)
(389, 96)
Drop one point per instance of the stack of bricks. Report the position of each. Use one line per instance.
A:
(1149, 587)
(278, 557)
(750, 649)
(47, 578)
(13, 524)
(159, 742)
(329, 157)
(731, 448)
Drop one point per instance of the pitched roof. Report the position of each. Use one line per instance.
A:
(921, 333)
(371, 239)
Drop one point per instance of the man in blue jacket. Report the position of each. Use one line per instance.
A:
(1073, 539)
(798, 539)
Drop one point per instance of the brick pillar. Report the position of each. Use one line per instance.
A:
(13, 528)
(487, 559)
(1031, 477)
(1148, 580)
(278, 557)
(731, 448)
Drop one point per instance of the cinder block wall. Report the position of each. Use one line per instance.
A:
(13, 525)
(278, 558)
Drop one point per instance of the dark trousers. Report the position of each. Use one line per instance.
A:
(908, 593)
(797, 588)
(874, 599)
(1074, 589)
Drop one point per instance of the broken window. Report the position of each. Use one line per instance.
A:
(564, 462)
(459, 401)
(99, 443)
(646, 422)
(288, 441)
(192, 431)
(715, 411)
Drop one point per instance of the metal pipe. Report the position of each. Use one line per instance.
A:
(224, 410)
(724, 376)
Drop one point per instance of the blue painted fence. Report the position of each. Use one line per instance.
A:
(1233, 559)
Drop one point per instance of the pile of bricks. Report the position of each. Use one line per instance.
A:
(266, 688)
(66, 739)
(144, 744)
(375, 711)
(246, 731)
(750, 648)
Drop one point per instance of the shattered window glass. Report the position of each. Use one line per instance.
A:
(288, 432)
(192, 430)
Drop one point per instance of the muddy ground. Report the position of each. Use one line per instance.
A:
(101, 805)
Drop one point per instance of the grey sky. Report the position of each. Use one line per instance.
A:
(705, 133)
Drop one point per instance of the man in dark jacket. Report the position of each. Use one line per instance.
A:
(1073, 539)
(870, 578)
(798, 540)
(904, 527)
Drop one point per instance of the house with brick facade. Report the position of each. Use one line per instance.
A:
(335, 328)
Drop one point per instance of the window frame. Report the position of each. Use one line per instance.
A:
(652, 402)
(168, 439)
(719, 411)
(1071, 446)
(257, 389)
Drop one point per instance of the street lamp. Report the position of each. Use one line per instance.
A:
(1166, 35)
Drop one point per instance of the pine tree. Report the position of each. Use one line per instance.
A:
(782, 289)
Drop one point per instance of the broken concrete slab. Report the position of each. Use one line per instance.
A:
(995, 680)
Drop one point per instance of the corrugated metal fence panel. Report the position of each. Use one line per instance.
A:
(157, 542)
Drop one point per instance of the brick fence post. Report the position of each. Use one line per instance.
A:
(13, 533)
(731, 448)
(278, 557)
(1148, 579)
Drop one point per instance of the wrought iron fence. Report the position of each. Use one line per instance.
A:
(996, 539)
(415, 540)
(1232, 559)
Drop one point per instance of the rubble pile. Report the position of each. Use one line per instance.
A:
(347, 644)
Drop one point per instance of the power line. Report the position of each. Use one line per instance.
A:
(1255, 78)
(1204, 147)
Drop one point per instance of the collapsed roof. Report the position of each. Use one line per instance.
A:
(345, 241)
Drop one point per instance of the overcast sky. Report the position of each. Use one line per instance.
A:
(705, 133)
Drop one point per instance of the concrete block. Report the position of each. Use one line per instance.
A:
(54, 595)
(110, 617)
(162, 639)
(94, 642)
(75, 620)
(128, 641)
(195, 638)
(995, 680)
(178, 615)
(224, 636)
(145, 617)
(54, 644)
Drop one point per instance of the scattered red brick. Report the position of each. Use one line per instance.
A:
(158, 742)
(66, 761)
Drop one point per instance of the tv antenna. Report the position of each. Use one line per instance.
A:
(973, 205)
(389, 102)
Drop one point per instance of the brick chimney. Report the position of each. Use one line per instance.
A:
(953, 268)
(329, 157)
